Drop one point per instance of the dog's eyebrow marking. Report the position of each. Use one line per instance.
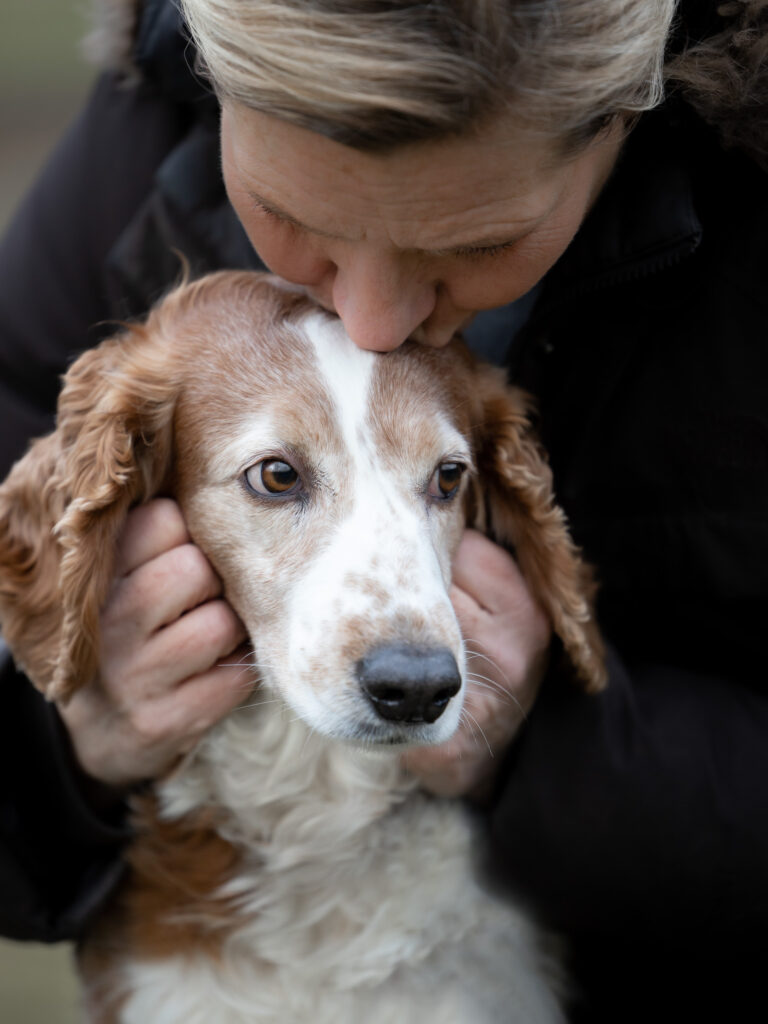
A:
(256, 434)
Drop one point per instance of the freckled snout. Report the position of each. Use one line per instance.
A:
(409, 683)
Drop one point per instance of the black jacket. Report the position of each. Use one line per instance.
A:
(636, 822)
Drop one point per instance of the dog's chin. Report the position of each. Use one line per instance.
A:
(389, 736)
(356, 726)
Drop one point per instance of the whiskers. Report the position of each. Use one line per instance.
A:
(258, 703)
(482, 689)
(252, 667)
(474, 727)
(502, 693)
(248, 664)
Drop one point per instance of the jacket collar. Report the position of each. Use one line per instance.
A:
(166, 56)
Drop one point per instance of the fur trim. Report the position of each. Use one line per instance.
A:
(725, 77)
(110, 42)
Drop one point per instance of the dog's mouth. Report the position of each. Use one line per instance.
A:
(387, 736)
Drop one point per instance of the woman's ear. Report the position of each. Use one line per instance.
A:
(64, 503)
(512, 501)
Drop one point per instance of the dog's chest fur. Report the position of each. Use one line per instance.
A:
(353, 897)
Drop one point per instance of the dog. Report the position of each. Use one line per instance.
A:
(289, 869)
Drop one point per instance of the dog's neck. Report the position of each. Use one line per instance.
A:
(268, 773)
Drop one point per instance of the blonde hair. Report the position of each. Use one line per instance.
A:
(376, 74)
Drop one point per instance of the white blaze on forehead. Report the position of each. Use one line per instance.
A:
(346, 370)
(379, 561)
(382, 522)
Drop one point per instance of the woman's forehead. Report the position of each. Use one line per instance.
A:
(433, 196)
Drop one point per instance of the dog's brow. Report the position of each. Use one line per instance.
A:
(257, 436)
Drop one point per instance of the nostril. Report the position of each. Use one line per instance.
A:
(442, 697)
(409, 683)
(386, 694)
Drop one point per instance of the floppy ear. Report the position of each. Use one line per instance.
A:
(63, 504)
(513, 502)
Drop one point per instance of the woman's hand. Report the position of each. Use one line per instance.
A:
(507, 637)
(169, 668)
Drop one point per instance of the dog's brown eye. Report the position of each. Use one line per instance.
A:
(446, 479)
(272, 476)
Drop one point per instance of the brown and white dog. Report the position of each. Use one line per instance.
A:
(288, 870)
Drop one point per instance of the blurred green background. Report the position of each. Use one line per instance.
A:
(43, 79)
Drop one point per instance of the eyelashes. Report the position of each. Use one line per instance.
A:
(481, 251)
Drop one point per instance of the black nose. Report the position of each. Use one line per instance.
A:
(406, 683)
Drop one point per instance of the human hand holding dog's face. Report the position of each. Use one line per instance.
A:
(165, 631)
(508, 637)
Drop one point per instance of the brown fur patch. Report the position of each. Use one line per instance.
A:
(166, 905)
(168, 902)
(176, 867)
(410, 386)
(270, 371)
(369, 586)
(364, 632)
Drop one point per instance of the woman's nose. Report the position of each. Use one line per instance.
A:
(380, 306)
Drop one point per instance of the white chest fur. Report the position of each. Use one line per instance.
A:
(357, 897)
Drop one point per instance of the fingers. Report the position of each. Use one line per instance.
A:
(181, 718)
(497, 612)
(159, 591)
(150, 530)
(165, 621)
(169, 663)
(191, 645)
(486, 572)
(142, 738)
(161, 575)
(507, 637)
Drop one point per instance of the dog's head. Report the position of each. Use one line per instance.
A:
(328, 486)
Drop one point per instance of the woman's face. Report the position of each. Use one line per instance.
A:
(410, 243)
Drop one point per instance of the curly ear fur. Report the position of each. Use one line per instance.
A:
(514, 503)
(64, 503)
(30, 607)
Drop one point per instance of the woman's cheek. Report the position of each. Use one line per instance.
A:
(495, 282)
(506, 276)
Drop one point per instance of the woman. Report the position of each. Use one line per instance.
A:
(414, 165)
